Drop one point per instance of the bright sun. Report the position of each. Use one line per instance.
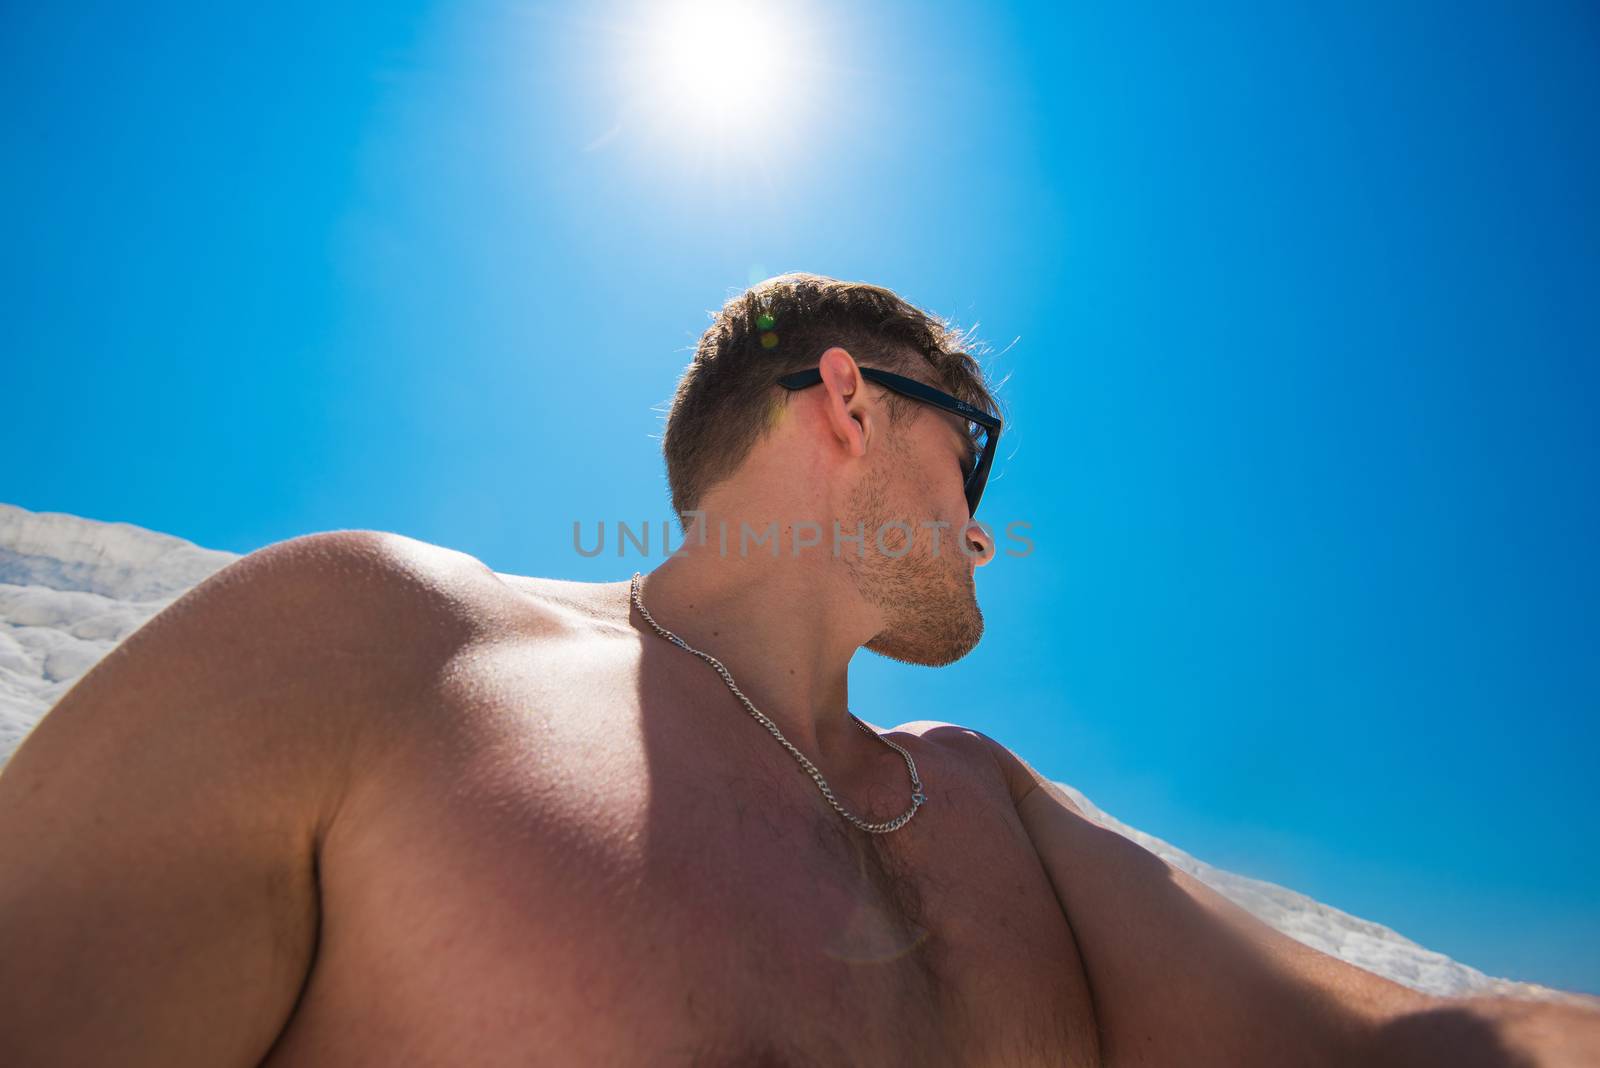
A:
(718, 63)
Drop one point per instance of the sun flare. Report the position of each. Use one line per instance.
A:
(719, 64)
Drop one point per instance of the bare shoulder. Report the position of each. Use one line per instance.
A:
(310, 640)
(160, 827)
(294, 637)
(381, 569)
(1020, 777)
(304, 593)
(164, 826)
(946, 734)
(417, 591)
(981, 751)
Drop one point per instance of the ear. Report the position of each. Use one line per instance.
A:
(845, 402)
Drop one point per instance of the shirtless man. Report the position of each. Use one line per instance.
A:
(360, 800)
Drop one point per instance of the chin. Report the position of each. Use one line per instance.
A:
(930, 610)
(922, 655)
(933, 640)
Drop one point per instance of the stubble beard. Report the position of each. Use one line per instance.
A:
(929, 600)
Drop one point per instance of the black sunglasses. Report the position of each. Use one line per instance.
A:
(983, 436)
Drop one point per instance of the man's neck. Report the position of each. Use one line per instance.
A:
(785, 629)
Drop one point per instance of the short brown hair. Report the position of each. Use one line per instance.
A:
(728, 396)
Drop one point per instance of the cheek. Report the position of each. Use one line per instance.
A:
(942, 494)
(932, 491)
(942, 498)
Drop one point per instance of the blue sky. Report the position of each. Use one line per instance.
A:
(1296, 312)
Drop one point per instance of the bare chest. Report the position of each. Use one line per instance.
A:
(581, 874)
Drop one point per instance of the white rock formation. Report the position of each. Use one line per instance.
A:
(71, 588)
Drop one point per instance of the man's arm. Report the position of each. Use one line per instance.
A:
(1182, 976)
(160, 826)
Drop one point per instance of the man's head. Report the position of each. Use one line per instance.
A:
(865, 454)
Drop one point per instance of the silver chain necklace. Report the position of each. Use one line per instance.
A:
(918, 798)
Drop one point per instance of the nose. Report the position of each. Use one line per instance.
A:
(977, 543)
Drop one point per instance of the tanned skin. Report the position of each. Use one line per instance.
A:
(361, 800)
